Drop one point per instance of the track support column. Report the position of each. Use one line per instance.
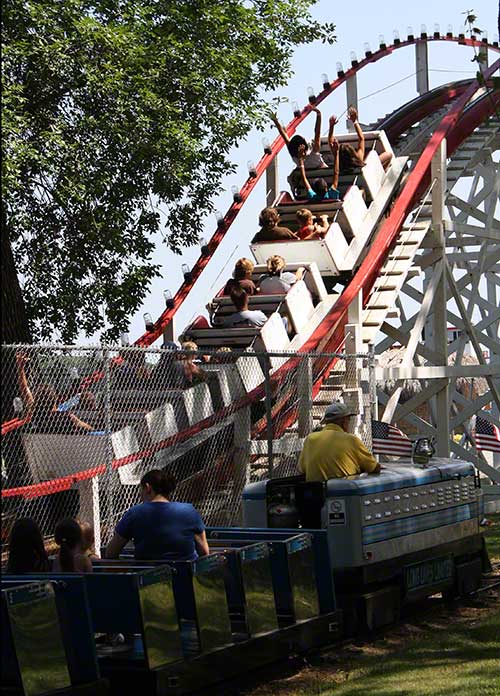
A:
(439, 323)
(422, 66)
(169, 331)
(272, 183)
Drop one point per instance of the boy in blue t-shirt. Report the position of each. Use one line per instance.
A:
(319, 190)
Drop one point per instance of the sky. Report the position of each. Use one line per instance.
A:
(381, 88)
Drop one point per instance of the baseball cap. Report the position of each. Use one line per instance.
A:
(337, 410)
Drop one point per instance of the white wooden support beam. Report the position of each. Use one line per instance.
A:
(413, 341)
(272, 182)
(422, 66)
(439, 340)
(351, 86)
(355, 310)
(89, 509)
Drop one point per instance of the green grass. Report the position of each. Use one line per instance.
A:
(454, 660)
(450, 653)
(463, 660)
(492, 536)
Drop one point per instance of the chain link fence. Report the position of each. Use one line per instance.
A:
(81, 425)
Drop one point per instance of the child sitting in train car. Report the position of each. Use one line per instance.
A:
(311, 227)
(319, 189)
(88, 540)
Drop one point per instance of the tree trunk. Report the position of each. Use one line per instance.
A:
(15, 328)
(14, 319)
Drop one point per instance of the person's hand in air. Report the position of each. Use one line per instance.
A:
(352, 114)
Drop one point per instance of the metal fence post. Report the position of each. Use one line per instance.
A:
(108, 478)
(241, 457)
(269, 413)
(373, 382)
(304, 393)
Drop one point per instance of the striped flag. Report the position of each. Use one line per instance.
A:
(487, 435)
(387, 439)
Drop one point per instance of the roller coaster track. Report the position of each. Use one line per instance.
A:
(446, 112)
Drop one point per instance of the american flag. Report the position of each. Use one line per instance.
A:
(387, 439)
(487, 435)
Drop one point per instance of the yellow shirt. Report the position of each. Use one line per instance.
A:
(333, 453)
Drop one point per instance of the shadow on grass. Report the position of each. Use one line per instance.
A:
(464, 660)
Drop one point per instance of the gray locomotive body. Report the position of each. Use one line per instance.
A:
(405, 533)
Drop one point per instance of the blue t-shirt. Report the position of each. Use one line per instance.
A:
(332, 193)
(162, 531)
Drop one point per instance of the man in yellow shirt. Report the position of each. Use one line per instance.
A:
(333, 452)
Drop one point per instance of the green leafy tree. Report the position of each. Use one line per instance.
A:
(113, 108)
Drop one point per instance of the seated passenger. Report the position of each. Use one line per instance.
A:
(311, 227)
(222, 355)
(88, 540)
(27, 552)
(242, 277)
(351, 158)
(192, 372)
(71, 557)
(319, 190)
(243, 316)
(269, 229)
(160, 528)
(277, 280)
(333, 452)
(41, 406)
(313, 157)
(168, 373)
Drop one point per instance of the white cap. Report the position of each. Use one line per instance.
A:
(337, 411)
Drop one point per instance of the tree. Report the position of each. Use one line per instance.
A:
(113, 109)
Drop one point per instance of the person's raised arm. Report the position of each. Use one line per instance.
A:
(334, 147)
(302, 155)
(79, 423)
(317, 130)
(280, 128)
(22, 380)
(353, 116)
(321, 228)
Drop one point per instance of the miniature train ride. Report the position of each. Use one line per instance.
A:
(313, 563)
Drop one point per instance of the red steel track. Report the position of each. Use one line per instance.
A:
(456, 126)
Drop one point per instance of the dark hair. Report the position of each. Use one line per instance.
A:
(26, 549)
(295, 142)
(348, 158)
(239, 298)
(68, 536)
(320, 187)
(269, 218)
(160, 481)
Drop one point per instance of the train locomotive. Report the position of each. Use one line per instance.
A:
(393, 538)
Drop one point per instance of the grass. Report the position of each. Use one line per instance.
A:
(448, 652)
(492, 535)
